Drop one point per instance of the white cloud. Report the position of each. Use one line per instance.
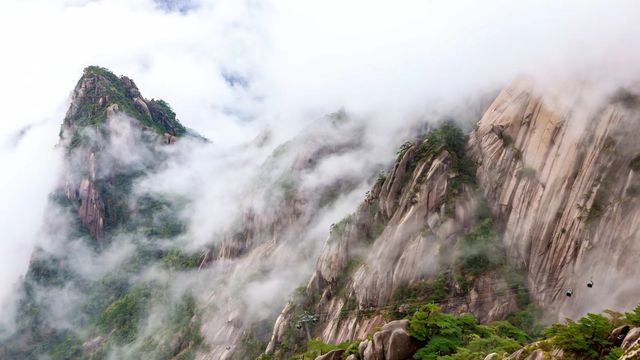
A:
(387, 62)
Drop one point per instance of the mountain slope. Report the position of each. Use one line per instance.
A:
(559, 181)
(120, 275)
(422, 234)
(563, 183)
(539, 198)
(89, 127)
(81, 296)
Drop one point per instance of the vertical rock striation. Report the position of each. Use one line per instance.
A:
(563, 181)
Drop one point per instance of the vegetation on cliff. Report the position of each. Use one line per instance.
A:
(460, 337)
(99, 88)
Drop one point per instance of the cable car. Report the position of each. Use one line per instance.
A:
(590, 284)
(569, 292)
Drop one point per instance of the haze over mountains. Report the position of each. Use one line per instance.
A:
(317, 171)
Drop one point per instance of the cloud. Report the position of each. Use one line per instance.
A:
(235, 70)
(29, 172)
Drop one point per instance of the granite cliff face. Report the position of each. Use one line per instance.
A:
(111, 137)
(404, 246)
(265, 242)
(560, 183)
(89, 127)
(563, 183)
(541, 197)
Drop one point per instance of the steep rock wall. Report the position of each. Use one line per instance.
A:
(563, 181)
(404, 232)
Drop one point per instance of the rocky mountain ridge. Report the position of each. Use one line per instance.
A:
(499, 223)
(560, 187)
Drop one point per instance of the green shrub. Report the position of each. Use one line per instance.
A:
(527, 319)
(317, 347)
(505, 329)
(433, 290)
(587, 338)
(177, 259)
(453, 337)
(69, 348)
(448, 137)
(108, 85)
(121, 317)
(436, 347)
(430, 321)
(338, 229)
(633, 317)
(481, 249)
(403, 149)
(614, 354)
(493, 343)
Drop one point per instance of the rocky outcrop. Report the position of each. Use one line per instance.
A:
(91, 210)
(563, 180)
(560, 177)
(404, 232)
(631, 339)
(93, 345)
(618, 335)
(536, 351)
(331, 355)
(87, 132)
(273, 236)
(392, 342)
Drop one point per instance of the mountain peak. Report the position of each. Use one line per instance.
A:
(100, 93)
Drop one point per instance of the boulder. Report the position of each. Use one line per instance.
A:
(401, 345)
(112, 110)
(618, 334)
(632, 337)
(142, 106)
(492, 356)
(392, 342)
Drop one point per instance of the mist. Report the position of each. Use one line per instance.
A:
(260, 78)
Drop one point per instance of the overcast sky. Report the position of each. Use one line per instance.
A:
(232, 68)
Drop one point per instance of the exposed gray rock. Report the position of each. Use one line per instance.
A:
(631, 339)
(618, 334)
(632, 354)
(400, 345)
(536, 355)
(516, 355)
(332, 355)
(557, 354)
(492, 356)
(540, 166)
(142, 106)
(93, 344)
(112, 110)
(362, 347)
(392, 342)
